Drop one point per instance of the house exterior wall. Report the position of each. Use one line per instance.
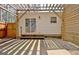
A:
(43, 24)
(70, 23)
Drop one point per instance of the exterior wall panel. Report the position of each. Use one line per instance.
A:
(70, 26)
(43, 24)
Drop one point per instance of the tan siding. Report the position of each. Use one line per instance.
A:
(43, 25)
(70, 27)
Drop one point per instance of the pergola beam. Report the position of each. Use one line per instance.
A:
(38, 7)
(22, 5)
(28, 6)
(52, 6)
(12, 6)
(6, 10)
(40, 10)
(49, 7)
(35, 9)
(55, 7)
(25, 5)
(22, 14)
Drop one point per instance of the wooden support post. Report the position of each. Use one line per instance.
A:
(17, 23)
(17, 27)
(62, 25)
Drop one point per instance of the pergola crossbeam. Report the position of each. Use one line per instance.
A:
(38, 7)
(22, 14)
(7, 10)
(35, 10)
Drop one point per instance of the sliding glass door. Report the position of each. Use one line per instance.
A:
(30, 25)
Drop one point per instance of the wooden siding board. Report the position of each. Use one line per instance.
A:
(70, 29)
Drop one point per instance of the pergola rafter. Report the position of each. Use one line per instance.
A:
(35, 7)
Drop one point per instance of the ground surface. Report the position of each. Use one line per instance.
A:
(47, 46)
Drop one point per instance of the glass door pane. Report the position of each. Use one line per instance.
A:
(33, 25)
(30, 25)
(27, 25)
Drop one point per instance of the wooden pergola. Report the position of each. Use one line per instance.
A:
(38, 7)
(14, 9)
(32, 7)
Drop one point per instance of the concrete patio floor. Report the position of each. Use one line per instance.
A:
(47, 46)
